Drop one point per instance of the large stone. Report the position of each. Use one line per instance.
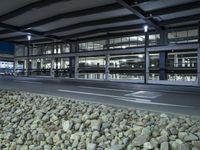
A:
(148, 145)
(139, 140)
(190, 137)
(91, 146)
(96, 125)
(164, 146)
(67, 125)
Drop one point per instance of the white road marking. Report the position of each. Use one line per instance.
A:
(34, 82)
(103, 95)
(128, 99)
(106, 89)
(155, 103)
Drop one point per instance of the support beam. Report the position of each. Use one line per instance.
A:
(102, 30)
(76, 67)
(139, 12)
(27, 8)
(181, 19)
(198, 64)
(52, 67)
(175, 9)
(74, 14)
(107, 70)
(162, 66)
(93, 23)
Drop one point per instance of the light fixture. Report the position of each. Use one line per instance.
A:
(29, 37)
(140, 56)
(146, 27)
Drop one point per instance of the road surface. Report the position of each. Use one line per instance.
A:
(173, 99)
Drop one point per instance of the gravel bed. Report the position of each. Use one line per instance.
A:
(37, 122)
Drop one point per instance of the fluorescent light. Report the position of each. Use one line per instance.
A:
(140, 56)
(29, 37)
(146, 28)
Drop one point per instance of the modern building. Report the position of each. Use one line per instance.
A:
(106, 40)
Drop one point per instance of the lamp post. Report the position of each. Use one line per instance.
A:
(145, 53)
(28, 59)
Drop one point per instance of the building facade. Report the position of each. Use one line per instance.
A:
(172, 57)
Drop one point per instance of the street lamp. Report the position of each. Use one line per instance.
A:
(146, 27)
(28, 63)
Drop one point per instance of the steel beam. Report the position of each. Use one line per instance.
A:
(26, 8)
(139, 12)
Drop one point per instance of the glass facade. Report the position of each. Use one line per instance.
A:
(127, 42)
(6, 68)
(187, 36)
(127, 67)
(93, 45)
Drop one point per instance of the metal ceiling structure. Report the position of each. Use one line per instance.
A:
(66, 20)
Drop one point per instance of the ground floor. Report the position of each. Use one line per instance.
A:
(165, 66)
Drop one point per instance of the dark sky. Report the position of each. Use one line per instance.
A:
(7, 48)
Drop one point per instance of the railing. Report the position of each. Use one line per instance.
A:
(182, 65)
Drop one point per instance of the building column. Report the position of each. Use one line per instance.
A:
(198, 64)
(175, 60)
(52, 67)
(76, 65)
(147, 66)
(26, 65)
(162, 68)
(107, 70)
(15, 67)
(71, 67)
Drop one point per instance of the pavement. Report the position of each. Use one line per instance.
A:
(160, 98)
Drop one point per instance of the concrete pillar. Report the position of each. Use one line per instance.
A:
(198, 64)
(26, 65)
(147, 66)
(162, 62)
(72, 67)
(107, 70)
(76, 65)
(175, 60)
(15, 67)
(52, 68)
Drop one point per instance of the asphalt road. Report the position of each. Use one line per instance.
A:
(173, 99)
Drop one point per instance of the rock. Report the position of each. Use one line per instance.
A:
(139, 140)
(47, 147)
(182, 135)
(56, 138)
(95, 135)
(67, 125)
(24, 147)
(91, 146)
(49, 140)
(164, 146)
(196, 144)
(40, 137)
(12, 146)
(148, 145)
(173, 131)
(190, 137)
(116, 147)
(96, 125)
(46, 118)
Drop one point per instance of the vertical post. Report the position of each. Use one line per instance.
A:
(107, 70)
(52, 67)
(76, 67)
(162, 62)
(146, 60)
(198, 65)
(198, 58)
(28, 59)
